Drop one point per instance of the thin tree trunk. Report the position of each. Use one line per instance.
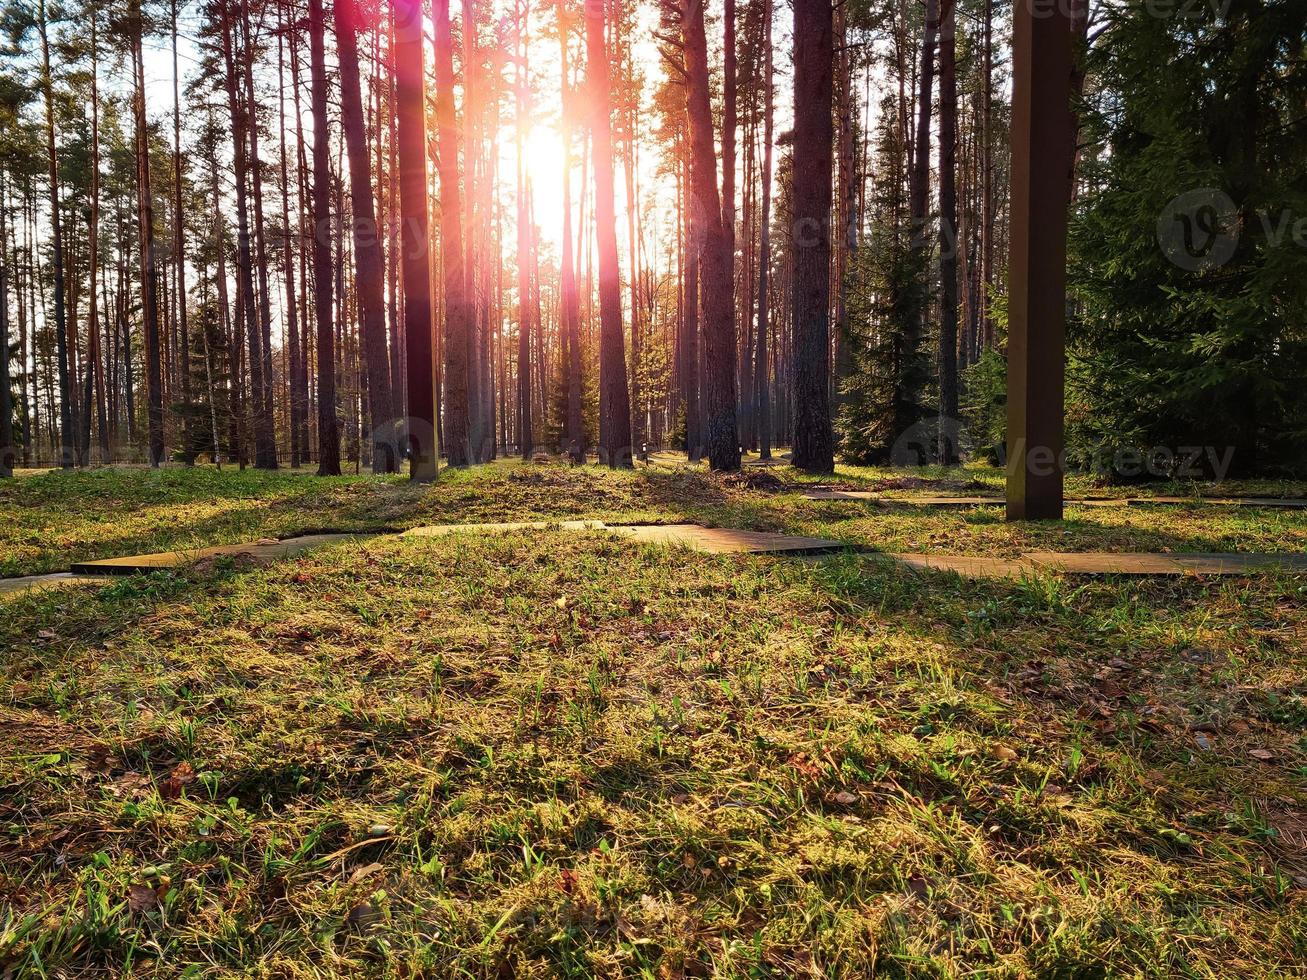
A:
(458, 326)
(294, 354)
(762, 393)
(948, 238)
(715, 259)
(179, 250)
(614, 395)
(525, 426)
(246, 310)
(7, 452)
(95, 365)
(145, 222)
(414, 244)
(328, 423)
(368, 262)
(66, 450)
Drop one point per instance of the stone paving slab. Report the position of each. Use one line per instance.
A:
(56, 580)
(724, 541)
(1272, 503)
(968, 566)
(1180, 563)
(267, 549)
(440, 530)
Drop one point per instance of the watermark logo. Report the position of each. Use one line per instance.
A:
(1199, 229)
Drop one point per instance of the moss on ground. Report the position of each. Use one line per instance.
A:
(555, 754)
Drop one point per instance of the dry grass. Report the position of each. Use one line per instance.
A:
(549, 754)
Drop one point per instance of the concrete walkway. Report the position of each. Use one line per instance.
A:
(1101, 563)
(710, 540)
(945, 502)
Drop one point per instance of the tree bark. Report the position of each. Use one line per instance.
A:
(265, 442)
(948, 238)
(95, 359)
(179, 251)
(813, 139)
(762, 391)
(368, 262)
(297, 404)
(328, 425)
(614, 394)
(67, 453)
(414, 239)
(569, 314)
(525, 423)
(145, 224)
(262, 425)
(716, 263)
(458, 321)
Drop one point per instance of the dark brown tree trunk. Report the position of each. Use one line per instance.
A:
(730, 123)
(95, 366)
(368, 262)
(458, 321)
(179, 252)
(948, 238)
(716, 263)
(614, 394)
(246, 316)
(265, 444)
(987, 175)
(846, 226)
(762, 391)
(297, 407)
(414, 241)
(328, 425)
(813, 140)
(145, 224)
(570, 325)
(7, 449)
(525, 423)
(67, 453)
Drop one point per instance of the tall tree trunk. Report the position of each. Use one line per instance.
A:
(846, 218)
(294, 355)
(368, 262)
(264, 446)
(762, 391)
(689, 340)
(730, 122)
(67, 453)
(948, 237)
(414, 244)
(570, 325)
(525, 426)
(179, 250)
(458, 321)
(987, 174)
(614, 394)
(907, 410)
(7, 451)
(328, 424)
(813, 139)
(145, 223)
(94, 357)
(716, 265)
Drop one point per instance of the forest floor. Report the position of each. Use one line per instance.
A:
(559, 754)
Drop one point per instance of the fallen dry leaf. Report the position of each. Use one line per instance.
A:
(142, 898)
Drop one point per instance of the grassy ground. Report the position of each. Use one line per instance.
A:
(550, 754)
(53, 518)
